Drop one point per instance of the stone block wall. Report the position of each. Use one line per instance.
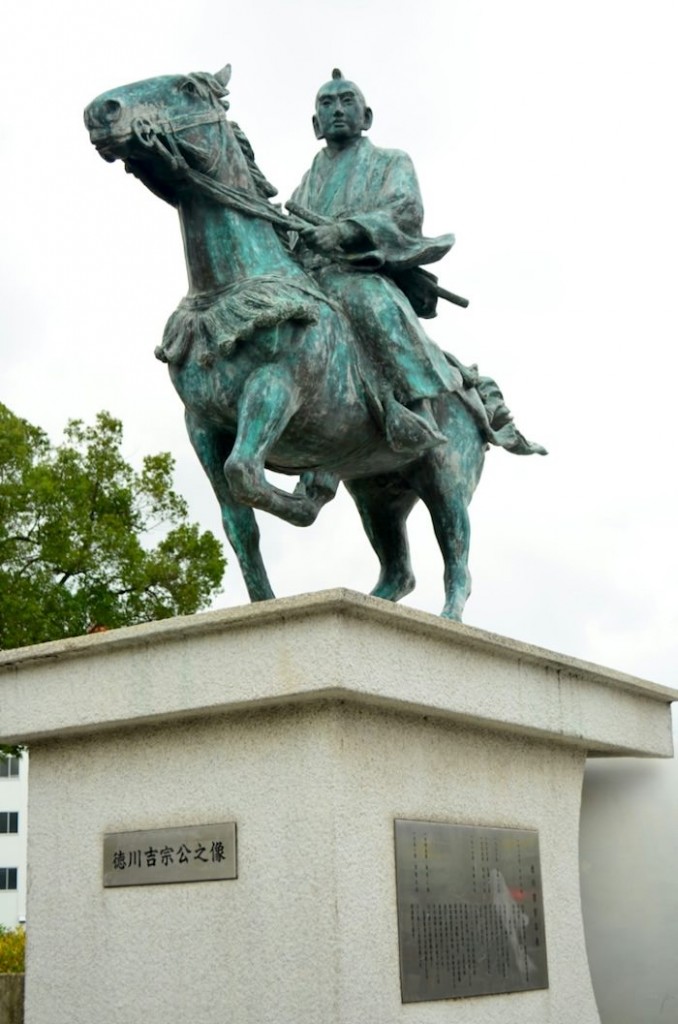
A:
(11, 999)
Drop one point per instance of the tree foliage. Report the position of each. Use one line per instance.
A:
(12, 950)
(76, 530)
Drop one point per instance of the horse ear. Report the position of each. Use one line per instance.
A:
(223, 77)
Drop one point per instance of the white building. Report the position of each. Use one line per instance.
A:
(13, 820)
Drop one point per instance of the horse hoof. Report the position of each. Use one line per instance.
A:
(393, 591)
(304, 513)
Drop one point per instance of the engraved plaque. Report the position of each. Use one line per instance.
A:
(195, 853)
(470, 913)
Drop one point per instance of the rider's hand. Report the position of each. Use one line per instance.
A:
(327, 238)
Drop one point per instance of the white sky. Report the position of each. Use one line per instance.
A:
(543, 136)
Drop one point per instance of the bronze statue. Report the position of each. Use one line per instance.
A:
(297, 347)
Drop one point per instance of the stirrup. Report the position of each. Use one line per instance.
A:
(407, 432)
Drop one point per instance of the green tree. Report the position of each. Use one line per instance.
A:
(12, 950)
(76, 526)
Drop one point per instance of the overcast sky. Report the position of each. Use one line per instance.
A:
(543, 136)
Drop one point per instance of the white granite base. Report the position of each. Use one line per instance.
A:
(313, 723)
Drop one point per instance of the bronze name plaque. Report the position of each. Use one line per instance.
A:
(194, 853)
(470, 911)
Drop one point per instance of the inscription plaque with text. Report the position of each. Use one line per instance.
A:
(192, 853)
(470, 910)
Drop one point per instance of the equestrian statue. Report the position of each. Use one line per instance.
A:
(298, 347)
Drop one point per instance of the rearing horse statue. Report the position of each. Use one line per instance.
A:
(265, 363)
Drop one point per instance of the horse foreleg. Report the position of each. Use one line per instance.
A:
(240, 526)
(268, 402)
(384, 510)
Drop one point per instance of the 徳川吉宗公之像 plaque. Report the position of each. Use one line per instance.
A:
(192, 853)
(470, 912)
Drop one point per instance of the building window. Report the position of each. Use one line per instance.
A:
(7, 878)
(9, 767)
(9, 822)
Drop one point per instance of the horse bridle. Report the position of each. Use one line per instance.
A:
(150, 134)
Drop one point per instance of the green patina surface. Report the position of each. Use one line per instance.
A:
(299, 346)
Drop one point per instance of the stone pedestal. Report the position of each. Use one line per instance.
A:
(313, 723)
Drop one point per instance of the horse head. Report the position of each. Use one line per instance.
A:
(169, 127)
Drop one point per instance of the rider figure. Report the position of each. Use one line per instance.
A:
(366, 208)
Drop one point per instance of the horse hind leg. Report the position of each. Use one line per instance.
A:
(447, 499)
(384, 505)
(453, 533)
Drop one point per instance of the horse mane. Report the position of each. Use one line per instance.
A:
(263, 186)
(210, 88)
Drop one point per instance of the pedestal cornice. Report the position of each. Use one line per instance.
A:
(333, 645)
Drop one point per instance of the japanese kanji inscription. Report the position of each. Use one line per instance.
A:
(470, 914)
(194, 853)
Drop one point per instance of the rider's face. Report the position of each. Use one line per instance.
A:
(340, 112)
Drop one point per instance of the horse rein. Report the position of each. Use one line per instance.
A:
(148, 133)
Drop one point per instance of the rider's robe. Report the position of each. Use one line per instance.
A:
(377, 190)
